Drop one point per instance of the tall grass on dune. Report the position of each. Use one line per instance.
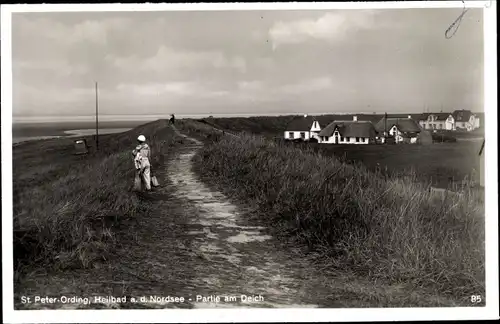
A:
(65, 206)
(200, 131)
(380, 227)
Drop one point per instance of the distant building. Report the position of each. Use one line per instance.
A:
(466, 120)
(403, 130)
(348, 132)
(304, 128)
(481, 165)
(439, 121)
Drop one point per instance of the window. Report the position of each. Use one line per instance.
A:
(302, 135)
(347, 139)
(290, 134)
(440, 126)
(434, 126)
(341, 138)
(357, 139)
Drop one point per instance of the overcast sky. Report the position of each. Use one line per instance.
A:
(246, 62)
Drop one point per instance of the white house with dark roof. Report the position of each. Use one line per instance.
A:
(348, 132)
(304, 128)
(465, 119)
(439, 121)
(404, 130)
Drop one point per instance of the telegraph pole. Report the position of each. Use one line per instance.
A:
(385, 128)
(96, 119)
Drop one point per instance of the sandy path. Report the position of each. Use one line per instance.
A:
(240, 259)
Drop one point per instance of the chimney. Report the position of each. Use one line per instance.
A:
(355, 118)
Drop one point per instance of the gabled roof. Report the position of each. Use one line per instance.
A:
(301, 124)
(404, 125)
(440, 116)
(350, 129)
(462, 115)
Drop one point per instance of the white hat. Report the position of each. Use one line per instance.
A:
(141, 138)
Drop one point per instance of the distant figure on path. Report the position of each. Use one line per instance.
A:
(141, 161)
(172, 119)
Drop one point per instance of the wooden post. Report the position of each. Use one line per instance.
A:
(385, 128)
(96, 119)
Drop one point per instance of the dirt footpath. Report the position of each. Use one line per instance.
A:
(241, 262)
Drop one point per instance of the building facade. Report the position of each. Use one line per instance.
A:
(437, 121)
(465, 120)
(303, 128)
(402, 130)
(348, 132)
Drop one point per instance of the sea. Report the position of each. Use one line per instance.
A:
(69, 133)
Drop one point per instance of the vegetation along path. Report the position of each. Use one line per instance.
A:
(241, 261)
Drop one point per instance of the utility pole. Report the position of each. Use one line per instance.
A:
(96, 119)
(385, 128)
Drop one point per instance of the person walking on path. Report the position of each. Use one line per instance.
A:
(142, 155)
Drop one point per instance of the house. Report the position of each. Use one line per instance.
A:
(465, 119)
(439, 121)
(403, 130)
(481, 165)
(348, 132)
(304, 128)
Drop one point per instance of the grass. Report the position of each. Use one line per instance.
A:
(443, 165)
(373, 225)
(199, 130)
(66, 205)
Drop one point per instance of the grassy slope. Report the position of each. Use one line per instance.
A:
(442, 165)
(391, 230)
(65, 205)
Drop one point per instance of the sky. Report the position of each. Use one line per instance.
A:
(329, 61)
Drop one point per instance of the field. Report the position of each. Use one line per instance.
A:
(443, 165)
(374, 226)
